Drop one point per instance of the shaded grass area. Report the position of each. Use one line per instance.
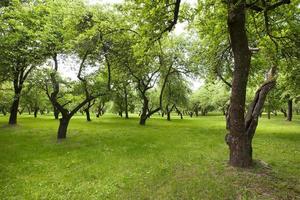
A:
(114, 158)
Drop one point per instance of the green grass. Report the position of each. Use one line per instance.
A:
(114, 158)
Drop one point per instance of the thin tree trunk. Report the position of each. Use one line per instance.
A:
(29, 110)
(284, 112)
(87, 113)
(269, 112)
(290, 110)
(126, 103)
(35, 112)
(169, 116)
(179, 113)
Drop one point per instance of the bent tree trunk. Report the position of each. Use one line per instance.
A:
(284, 112)
(14, 110)
(63, 127)
(290, 110)
(179, 113)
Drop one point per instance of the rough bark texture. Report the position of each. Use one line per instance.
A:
(242, 129)
(239, 145)
(290, 110)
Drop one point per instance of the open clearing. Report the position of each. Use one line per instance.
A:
(114, 158)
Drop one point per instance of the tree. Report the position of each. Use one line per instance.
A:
(242, 128)
(21, 29)
(229, 59)
(83, 40)
(175, 95)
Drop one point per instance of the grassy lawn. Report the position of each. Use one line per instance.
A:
(114, 158)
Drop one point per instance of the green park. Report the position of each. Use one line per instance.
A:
(150, 99)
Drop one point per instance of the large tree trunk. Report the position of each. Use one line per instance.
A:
(14, 110)
(290, 110)
(239, 143)
(63, 127)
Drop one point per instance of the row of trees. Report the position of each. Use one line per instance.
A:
(178, 99)
(125, 53)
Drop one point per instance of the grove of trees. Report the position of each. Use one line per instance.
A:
(63, 58)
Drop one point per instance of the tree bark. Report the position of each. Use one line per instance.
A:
(87, 113)
(62, 129)
(143, 116)
(290, 110)
(14, 110)
(56, 113)
(239, 143)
